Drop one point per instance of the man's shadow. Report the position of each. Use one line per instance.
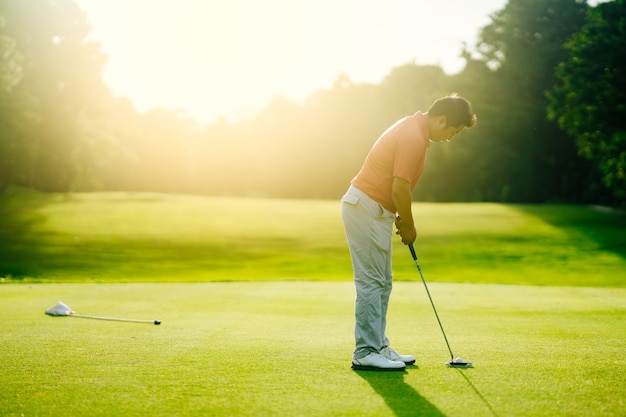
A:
(401, 398)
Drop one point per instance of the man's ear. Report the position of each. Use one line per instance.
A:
(442, 122)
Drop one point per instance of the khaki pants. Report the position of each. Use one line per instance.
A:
(369, 227)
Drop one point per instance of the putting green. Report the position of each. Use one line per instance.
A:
(284, 348)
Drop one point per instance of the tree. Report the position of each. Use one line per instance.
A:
(11, 65)
(589, 98)
(523, 46)
(60, 71)
(16, 110)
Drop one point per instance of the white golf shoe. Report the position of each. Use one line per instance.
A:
(377, 362)
(392, 355)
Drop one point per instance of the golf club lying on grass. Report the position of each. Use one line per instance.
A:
(455, 363)
(62, 309)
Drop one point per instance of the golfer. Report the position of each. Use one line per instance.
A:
(378, 196)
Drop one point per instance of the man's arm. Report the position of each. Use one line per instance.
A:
(401, 195)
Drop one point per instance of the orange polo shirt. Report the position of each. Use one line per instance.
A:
(399, 152)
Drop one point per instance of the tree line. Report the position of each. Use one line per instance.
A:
(546, 79)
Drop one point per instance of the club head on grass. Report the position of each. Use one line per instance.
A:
(459, 363)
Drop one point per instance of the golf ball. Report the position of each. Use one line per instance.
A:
(458, 360)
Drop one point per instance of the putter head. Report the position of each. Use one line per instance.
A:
(456, 364)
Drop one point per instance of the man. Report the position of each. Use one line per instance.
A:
(378, 196)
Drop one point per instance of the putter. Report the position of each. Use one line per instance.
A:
(454, 363)
(62, 309)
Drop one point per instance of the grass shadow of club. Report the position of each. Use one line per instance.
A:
(401, 397)
(481, 396)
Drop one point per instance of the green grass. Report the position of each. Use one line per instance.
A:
(256, 301)
(119, 237)
(283, 349)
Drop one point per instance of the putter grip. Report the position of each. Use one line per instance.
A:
(412, 249)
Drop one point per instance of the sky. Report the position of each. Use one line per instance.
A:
(228, 58)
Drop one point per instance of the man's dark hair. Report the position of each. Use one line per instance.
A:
(458, 111)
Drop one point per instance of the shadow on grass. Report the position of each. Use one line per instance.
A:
(482, 398)
(19, 216)
(600, 225)
(401, 398)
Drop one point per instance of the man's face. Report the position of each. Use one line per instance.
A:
(446, 133)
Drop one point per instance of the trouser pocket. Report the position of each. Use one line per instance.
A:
(367, 222)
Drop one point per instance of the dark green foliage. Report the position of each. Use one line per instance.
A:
(589, 100)
(532, 158)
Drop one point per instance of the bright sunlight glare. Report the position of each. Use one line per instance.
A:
(228, 58)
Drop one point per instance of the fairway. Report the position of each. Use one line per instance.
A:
(283, 349)
(146, 237)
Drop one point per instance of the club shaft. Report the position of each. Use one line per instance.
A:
(111, 318)
(419, 268)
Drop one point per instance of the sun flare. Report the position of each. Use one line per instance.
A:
(230, 58)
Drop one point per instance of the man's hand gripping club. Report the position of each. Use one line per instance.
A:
(401, 194)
